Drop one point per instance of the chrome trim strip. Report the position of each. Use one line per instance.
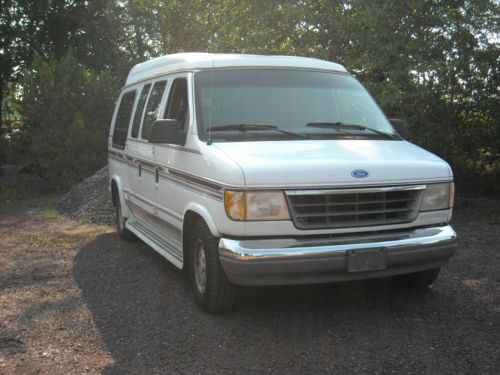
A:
(239, 249)
(145, 164)
(214, 194)
(200, 181)
(218, 195)
(208, 182)
(356, 190)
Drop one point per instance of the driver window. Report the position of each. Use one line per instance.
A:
(152, 107)
(178, 107)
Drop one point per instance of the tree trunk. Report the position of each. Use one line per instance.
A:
(141, 50)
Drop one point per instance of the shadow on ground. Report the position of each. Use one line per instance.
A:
(147, 318)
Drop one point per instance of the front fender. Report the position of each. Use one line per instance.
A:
(203, 212)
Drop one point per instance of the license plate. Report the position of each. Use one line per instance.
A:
(366, 260)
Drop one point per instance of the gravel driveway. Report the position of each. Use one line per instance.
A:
(74, 298)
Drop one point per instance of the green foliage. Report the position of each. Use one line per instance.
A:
(433, 63)
(67, 108)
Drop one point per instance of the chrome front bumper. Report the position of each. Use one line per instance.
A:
(279, 261)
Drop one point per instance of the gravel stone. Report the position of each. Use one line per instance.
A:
(90, 200)
(74, 299)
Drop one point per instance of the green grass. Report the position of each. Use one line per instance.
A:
(12, 195)
(48, 214)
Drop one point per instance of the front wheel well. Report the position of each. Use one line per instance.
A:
(190, 219)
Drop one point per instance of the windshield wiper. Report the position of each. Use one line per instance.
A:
(245, 127)
(342, 125)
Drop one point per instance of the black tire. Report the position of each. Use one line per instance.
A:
(124, 233)
(212, 289)
(418, 280)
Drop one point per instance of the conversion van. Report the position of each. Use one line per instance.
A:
(273, 170)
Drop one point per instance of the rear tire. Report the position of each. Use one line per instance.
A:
(212, 289)
(124, 233)
(418, 280)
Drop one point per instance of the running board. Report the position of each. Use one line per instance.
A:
(166, 247)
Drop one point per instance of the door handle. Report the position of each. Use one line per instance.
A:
(157, 174)
(140, 169)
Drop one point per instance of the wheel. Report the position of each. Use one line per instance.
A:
(418, 280)
(124, 233)
(212, 289)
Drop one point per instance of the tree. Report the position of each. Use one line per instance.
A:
(68, 109)
(433, 63)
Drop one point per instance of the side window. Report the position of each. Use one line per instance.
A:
(123, 119)
(139, 110)
(178, 107)
(152, 107)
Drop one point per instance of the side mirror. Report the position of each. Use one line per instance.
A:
(164, 131)
(400, 127)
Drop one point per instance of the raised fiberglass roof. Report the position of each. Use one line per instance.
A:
(198, 61)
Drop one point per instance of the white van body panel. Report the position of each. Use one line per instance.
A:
(320, 162)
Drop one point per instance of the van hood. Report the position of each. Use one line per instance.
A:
(278, 164)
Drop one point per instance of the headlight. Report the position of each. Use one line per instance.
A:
(438, 197)
(258, 205)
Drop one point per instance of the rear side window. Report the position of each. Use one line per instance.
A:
(123, 119)
(178, 107)
(139, 110)
(152, 107)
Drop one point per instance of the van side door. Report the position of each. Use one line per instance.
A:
(143, 175)
(173, 192)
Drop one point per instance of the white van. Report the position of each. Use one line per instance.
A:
(272, 170)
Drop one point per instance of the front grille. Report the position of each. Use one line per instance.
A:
(347, 208)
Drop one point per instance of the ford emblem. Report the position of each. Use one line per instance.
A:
(359, 173)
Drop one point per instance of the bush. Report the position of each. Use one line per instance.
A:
(67, 108)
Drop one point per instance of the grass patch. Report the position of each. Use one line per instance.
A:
(42, 200)
(48, 214)
(12, 195)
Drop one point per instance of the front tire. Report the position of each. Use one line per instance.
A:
(212, 289)
(418, 280)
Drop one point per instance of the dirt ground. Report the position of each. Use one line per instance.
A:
(75, 299)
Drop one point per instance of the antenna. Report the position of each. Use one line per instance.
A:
(209, 142)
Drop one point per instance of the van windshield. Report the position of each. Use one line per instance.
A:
(283, 104)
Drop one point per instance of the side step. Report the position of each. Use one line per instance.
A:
(166, 247)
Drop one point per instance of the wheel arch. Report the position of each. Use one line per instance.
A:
(117, 194)
(192, 214)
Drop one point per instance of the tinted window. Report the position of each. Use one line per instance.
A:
(308, 103)
(178, 107)
(152, 107)
(123, 119)
(139, 111)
